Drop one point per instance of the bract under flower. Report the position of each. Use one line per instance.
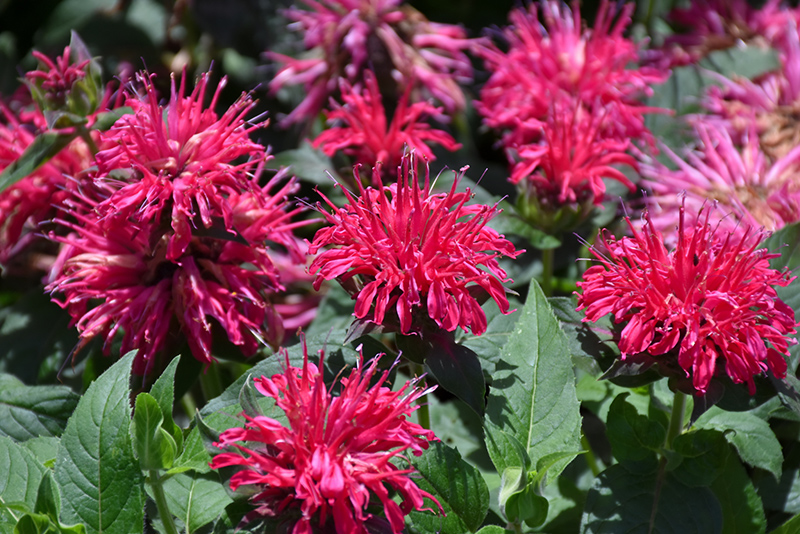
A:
(414, 253)
(334, 459)
(710, 299)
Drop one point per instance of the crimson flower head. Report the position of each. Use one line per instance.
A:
(364, 133)
(710, 301)
(407, 254)
(344, 37)
(180, 160)
(334, 459)
(561, 57)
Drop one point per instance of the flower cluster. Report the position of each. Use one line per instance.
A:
(346, 36)
(364, 134)
(710, 299)
(336, 457)
(409, 254)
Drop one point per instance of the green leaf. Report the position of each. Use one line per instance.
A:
(458, 370)
(589, 343)
(153, 445)
(622, 501)
(306, 163)
(163, 390)
(194, 455)
(494, 529)
(100, 480)
(742, 510)
(105, 120)
(703, 455)
(196, 498)
(751, 435)
(745, 62)
(44, 449)
(458, 487)
(533, 393)
(792, 526)
(30, 411)
(499, 327)
(39, 152)
(634, 438)
(34, 524)
(20, 476)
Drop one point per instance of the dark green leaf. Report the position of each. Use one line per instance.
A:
(634, 438)
(703, 456)
(44, 147)
(588, 342)
(751, 435)
(792, 526)
(105, 120)
(163, 390)
(194, 455)
(744, 62)
(100, 480)
(196, 499)
(34, 524)
(621, 501)
(742, 510)
(152, 445)
(458, 370)
(30, 411)
(499, 328)
(458, 487)
(533, 393)
(44, 449)
(20, 476)
(494, 529)
(307, 164)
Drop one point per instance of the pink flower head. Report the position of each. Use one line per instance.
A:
(711, 298)
(347, 36)
(119, 277)
(181, 159)
(570, 162)
(334, 459)
(365, 135)
(749, 189)
(561, 58)
(414, 253)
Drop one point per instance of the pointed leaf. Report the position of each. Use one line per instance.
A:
(163, 390)
(39, 152)
(635, 439)
(533, 393)
(196, 499)
(458, 370)
(100, 480)
(20, 476)
(30, 411)
(153, 445)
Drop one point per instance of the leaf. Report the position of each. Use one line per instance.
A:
(39, 152)
(494, 529)
(152, 445)
(792, 526)
(458, 487)
(194, 455)
(634, 438)
(587, 341)
(99, 478)
(195, 498)
(44, 449)
(703, 455)
(499, 327)
(533, 392)
(742, 510)
(745, 62)
(458, 370)
(30, 411)
(621, 501)
(105, 120)
(307, 163)
(749, 434)
(163, 390)
(20, 476)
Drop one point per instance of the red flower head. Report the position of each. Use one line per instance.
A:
(334, 459)
(119, 277)
(413, 251)
(711, 299)
(180, 159)
(546, 62)
(365, 135)
(347, 36)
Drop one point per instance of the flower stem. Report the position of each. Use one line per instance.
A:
(423, 413)
(676, 420)
(210, 383)
(161, 502)
(548, 260)
(589, 456)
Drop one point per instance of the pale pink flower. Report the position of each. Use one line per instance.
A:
(708, 304)
(337, 455)
(411, 256)
(365, 135)
(345, 37)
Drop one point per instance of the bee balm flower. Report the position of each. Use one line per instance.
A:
(334, 458)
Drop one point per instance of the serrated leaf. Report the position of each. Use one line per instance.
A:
(742, 510)
(152, 445)
(44, 449)
(194, 455)
(621, 501)
(458, 487)
(703, 456)
(792, 526)
(20, 476)
(634, 438)
(39, 152)
(533, 393)
(195, 498)
(30, 411)
(499, 327)
(749, 434)
(100, 480)
(163, 390)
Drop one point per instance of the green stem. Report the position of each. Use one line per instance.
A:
(548, 260)
(210, 383)
(423, 412)
(161, 502)
(676, 420)
(591, 459)
(188, 405)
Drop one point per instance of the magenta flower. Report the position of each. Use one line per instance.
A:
(710, 301)
(181, 159)
(596, 67)
(407, 254)
(119, 277)
(335, 457)
(748, 189)
(365, 135)
(345, 37)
